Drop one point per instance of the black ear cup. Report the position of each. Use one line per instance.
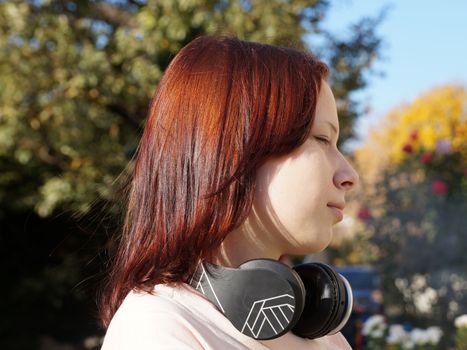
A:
(264, 298)
(328, 301)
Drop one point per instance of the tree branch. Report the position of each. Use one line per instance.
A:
(113, 14)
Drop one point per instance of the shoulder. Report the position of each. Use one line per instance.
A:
(145, 321)
(338, 341)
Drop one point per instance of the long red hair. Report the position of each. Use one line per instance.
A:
(223, 107)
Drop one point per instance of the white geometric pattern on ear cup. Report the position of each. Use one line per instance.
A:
(269, 312)
(289, 275)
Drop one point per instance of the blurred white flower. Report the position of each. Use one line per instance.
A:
(408, 344)
(374, 326)
(427, 336)
(444, 146)
(378, 333)
(418, 336)
(461, 321)
(397, 334)
(434, 335)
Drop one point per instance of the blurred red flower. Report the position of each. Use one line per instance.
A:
(426, 157)
(407, 148)
(413, 135)
(364, 213)
(439, 187)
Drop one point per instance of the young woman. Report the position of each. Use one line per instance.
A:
(238, 161)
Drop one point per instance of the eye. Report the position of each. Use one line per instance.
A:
(322, 140)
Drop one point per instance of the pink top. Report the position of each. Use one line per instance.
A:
(182, 318)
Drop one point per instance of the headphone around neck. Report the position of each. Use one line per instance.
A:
(264, 298)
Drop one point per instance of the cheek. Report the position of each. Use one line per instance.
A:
(293, 199)
(293, 191)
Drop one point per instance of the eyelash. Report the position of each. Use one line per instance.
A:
(323, 140)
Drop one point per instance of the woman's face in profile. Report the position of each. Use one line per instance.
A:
(297, 194)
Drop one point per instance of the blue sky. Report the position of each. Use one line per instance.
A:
(425, 45)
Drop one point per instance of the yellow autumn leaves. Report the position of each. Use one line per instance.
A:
(437, 116)
(435, 122)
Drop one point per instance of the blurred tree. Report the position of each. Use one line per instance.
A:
(417, 194)
(76, 78)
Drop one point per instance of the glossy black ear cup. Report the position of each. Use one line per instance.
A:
(264, 298)
(328, 301)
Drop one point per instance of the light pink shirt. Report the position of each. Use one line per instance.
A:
(181, 318)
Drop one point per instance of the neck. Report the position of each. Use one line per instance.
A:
(252, 240)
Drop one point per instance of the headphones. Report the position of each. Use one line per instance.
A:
(264, 298)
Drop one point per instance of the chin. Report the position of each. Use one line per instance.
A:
(320, 244)
(313, 247)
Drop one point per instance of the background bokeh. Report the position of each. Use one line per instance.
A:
(76, 78)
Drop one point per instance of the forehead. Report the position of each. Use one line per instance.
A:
(326, 111)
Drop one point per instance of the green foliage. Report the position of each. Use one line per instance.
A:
(461, 338)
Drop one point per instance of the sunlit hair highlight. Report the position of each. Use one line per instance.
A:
(223, 107)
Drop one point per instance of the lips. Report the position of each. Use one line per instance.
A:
(338, 205)
(337, 209)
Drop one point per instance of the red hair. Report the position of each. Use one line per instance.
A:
(223, 107)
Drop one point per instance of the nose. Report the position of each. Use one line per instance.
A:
(346, 177)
